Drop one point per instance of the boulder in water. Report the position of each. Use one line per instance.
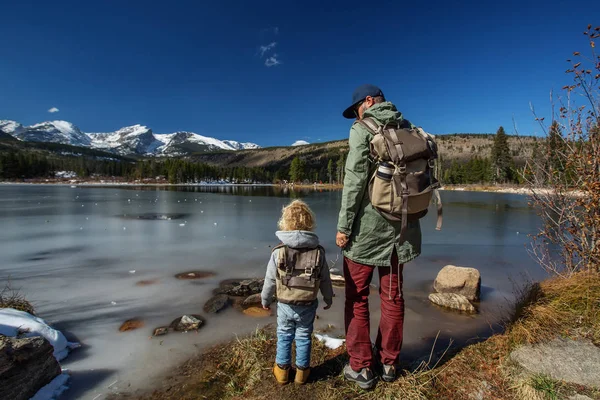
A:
(216, 303)
(453, 301)
(247, 287)
(187, 323)
(337, 280)
(459, 280)
(254, 300)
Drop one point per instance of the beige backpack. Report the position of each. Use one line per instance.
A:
(298, 274)
(403, 183)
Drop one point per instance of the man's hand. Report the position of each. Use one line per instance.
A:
(341, 239)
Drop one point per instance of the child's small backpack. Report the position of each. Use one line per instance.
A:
(298, 274)
(403, 183)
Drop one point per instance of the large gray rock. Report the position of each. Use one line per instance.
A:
(453, 301)
(187, 323)
(26, 365)
(216, 303)
(247, 287)
(567, 360)
(459, 280)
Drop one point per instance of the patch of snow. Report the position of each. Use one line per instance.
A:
(329, 342)
(16, 323)
(10, 127)
(54, 389)
(65, 174)
(300, 143)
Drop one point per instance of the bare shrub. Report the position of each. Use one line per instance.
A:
(12, 298)
(563, 174)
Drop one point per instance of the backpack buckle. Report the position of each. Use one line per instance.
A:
(309, 271)
(431, 163)
(401, 169)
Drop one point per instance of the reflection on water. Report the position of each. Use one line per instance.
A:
(80, 262)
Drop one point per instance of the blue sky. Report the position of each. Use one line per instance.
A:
(199, 66)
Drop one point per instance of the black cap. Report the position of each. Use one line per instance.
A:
(359, 95)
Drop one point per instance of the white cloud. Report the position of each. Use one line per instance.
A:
(265, 49)
(53, 110)
(272, 61)
(300, 143)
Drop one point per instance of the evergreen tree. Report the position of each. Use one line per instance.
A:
(330, 171)
(297, 170)
(501, 159)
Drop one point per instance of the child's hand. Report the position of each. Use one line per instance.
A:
(327, 307)
(266, 307)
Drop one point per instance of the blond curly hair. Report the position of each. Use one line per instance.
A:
(296, 216)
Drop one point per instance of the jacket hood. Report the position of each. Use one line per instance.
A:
(298, 239)
(384, 112)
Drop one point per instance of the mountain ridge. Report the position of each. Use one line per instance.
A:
(134, 140)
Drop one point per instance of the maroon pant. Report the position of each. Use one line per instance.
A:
(389, 337)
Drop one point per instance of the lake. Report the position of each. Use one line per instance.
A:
(78, 254)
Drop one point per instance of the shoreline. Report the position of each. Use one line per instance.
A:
(520, 190)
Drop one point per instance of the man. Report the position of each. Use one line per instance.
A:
(370, 241)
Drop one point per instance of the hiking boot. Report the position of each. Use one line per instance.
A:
(282, 373)
(301, 376)
(363, 378)
(389, 373)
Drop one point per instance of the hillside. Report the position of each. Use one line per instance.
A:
(459, 147)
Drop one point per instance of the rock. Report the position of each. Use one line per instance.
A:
(258, 312)
(452, 300)
(195, 275)
(131, 324)
(247, 287)
(26, 365)
(160, 331)
(576, 362)
(459, 280)
(337, 280)
(252, 301)
(146, 282)
(227, 285)
(187, 323)
(216, 303)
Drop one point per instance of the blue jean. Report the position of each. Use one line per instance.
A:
(295, 322)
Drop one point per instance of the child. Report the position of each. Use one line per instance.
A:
(297, 270)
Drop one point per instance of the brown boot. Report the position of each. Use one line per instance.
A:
(282, 375)
(301, 376)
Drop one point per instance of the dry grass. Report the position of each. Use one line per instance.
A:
(242, 369)
(12, 298)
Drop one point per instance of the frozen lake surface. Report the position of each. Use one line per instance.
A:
(77, 254)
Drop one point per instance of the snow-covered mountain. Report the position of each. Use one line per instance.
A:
(10, 127)
(131, 140)
(52, 131)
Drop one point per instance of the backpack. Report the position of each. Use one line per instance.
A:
(298, 274)
(403, 182)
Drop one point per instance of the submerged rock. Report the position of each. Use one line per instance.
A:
(459, 280)
(26, 365)
(216, 303)
(187, 323)
(258, 312)
(146, 282)
(453, 301)
(195, 275)
(160, 331)
(572, 361)
(131, 324)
